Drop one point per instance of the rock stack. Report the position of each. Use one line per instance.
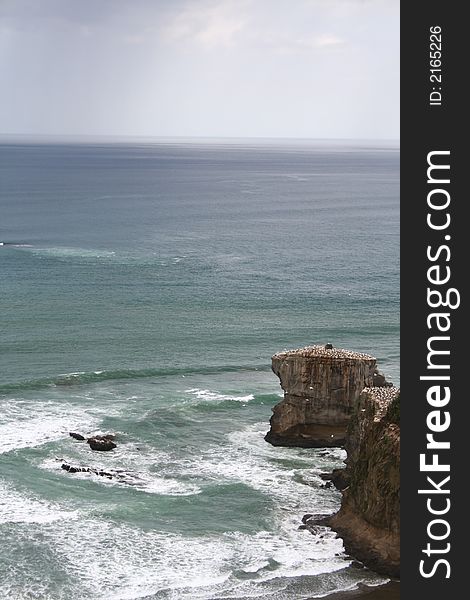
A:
(321, 387)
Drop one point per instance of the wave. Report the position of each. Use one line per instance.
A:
(87, 377)
(102, 558)
(95, 255)
(28, 424)
(142, 480)
(18, 508)
(72, 253)
(215, 397)
(203, 400)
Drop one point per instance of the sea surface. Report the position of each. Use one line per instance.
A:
(144, 288)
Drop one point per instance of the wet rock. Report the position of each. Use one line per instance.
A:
(312, 519)
(356, 564)
(101, 443)
(77, 436)
(72, 469)
(338, 477)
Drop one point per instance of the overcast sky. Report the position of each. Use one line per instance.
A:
(230, 68)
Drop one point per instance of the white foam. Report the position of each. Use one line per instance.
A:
(216, 397)
(17, 508)
(32, 423)
(169, 487)
(64, 252)
(104, 558)
(142, 481)
(114, 561)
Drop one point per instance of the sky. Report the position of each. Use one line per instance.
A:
(205, 68)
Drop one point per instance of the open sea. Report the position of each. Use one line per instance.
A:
(144, 288)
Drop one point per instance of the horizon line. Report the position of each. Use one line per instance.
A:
(188, 139)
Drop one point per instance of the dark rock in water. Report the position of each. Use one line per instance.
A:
(72, 469)
(77, 436)
(314, 529)
(327, 485)
(340, 478)
(302, 527)
(310, 520)
(328, 346)
(104, 474)
(101, 443)
(357, 564)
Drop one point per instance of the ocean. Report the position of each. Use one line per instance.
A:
(144, 288)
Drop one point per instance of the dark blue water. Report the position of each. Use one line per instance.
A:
(144, 290)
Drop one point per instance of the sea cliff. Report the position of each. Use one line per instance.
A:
(321, 386)
(369, 518)
(335, 397)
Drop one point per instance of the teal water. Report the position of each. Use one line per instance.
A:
(144, 290)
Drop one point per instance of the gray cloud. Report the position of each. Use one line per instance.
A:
(309, 68)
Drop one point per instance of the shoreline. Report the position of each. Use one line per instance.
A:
(387, 591)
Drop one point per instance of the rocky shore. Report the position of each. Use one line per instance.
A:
(335, 397)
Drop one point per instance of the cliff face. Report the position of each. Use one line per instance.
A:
(321, 387)
(369, 518)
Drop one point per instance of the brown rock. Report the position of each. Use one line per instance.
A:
(77, 436)
(321, 386)
(369, 518)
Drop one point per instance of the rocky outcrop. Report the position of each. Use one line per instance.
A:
(369, 518)
(338, 477)
(119, 476)
(321, 387)
(72, 469)
(102, 443)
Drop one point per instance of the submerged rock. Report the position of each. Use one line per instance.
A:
(117, 475)
(321, 387)
(72, 469)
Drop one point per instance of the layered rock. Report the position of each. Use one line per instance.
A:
(321, 387)
(369, 518)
